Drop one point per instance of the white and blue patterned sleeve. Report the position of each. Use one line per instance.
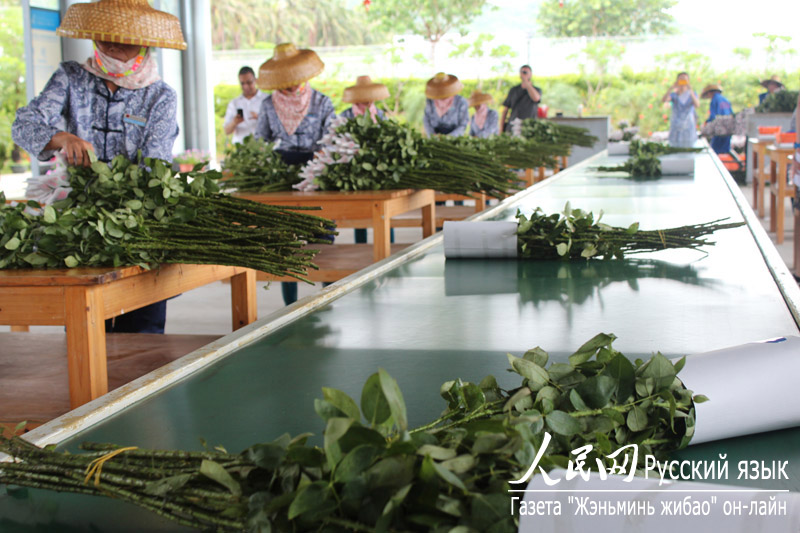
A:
(263, 129)
(329, 114)
(493, 126)
(426, 117)
(162, 127)
(37, 122)
(462, 108)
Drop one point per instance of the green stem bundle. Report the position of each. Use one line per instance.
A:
(374, 473)
(574, 234)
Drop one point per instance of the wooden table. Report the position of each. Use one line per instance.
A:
(83, 298)
(760, 175)
(779, 187)
(359, 209)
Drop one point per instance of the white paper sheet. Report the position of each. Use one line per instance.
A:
(487, 239)
(619, 148)
(770, 369)
(648, 491)
(675, 166)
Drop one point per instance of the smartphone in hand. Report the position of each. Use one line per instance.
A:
(240, 112)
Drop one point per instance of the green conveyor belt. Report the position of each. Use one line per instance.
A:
(428, 321)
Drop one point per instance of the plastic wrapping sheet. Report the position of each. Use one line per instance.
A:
(677, 166)
(619, 148)
(751, 388)
(488, 239)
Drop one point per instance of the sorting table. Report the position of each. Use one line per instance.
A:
(427, 320)
(83, 298)
(353, 209)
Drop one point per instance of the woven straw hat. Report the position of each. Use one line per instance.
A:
(477, 98)
(442, 86)
(773, 79)
(710, 87)
(122, 21)
(365, 91)
(288, 67)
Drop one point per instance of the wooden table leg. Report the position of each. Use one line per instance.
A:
(563, 162)
(773, 202)
(480, 202)
(429, 218)
(86, 344)
(382, 227)
(244, 309)
(755, 179)
(797, 233)
(780, 211)
(541, 174)
(529, 179)
(20, 329)
(762, 178)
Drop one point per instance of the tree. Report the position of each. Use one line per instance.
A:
(603, 18)
(601, 55)
(777, 46)
(431, 19)
(12, 68)
(250, 23)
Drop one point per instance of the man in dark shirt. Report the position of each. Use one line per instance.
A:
(523, 99)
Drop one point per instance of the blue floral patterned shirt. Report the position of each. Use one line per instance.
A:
(454, 122)
(80, 103)
(490, 127)
(348, 114)
(313, 126)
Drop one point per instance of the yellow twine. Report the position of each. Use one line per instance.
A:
(96, 466)
(663, 241)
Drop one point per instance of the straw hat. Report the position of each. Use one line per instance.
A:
(288, 67)
(478, 98)
(365, 91)
(122, 21)
(442, 86)
(773, 79)
(710, 87)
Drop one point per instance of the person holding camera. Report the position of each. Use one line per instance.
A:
(241, 117)
(683, 127)
(522, 101)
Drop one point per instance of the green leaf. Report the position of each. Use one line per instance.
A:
(461, 464)
(699, 398)
(394, 397)
(563, 424)
(585, 352)
(341, 401)
(562, 249)
(216, 472)
(12, 244)
(49, 214)
(165, 486)
(537, 356)
(436, 452)
(633, 228)
(680, 364)
(134, 205)
(524, 392)
(661, 370)
(267, 456)
(334, 431)
(576, 401)
(355, 463)
(621, 370)
(537, 376)
(448, 476)
(637, 419)
(597, 390)
(36, 259)
(313, 501)
(70, 261)
(373, 402)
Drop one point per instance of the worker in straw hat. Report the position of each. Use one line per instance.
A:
(485, 122)
(446, 113)
(720, 106)
(363, 96)
(114, 103)
(772, 85)
(294, 114)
